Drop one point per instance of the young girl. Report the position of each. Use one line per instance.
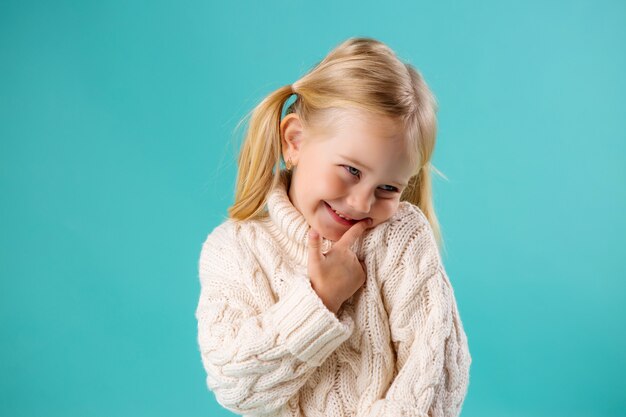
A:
(324, 294)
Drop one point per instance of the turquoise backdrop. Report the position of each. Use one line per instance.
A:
(118, 156)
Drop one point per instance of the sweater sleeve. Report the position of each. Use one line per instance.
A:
(433, 359)
(257, 355)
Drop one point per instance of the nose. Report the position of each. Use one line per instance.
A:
(360, 200)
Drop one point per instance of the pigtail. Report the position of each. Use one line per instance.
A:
(420, 193)
(421, 124)
(260, 156)
(359, 73)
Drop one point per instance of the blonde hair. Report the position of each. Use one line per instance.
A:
(361, 73)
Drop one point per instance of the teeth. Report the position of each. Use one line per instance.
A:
(341, 215)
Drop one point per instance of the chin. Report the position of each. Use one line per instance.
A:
(333, 237)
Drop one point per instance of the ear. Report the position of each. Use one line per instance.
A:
(291, 136)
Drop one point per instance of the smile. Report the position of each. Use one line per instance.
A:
(340, 218)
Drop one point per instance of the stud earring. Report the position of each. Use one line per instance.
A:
(288, 164)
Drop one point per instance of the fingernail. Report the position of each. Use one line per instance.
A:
(313, 234)
(369, 222)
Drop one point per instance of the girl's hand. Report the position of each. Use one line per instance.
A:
(338, 274)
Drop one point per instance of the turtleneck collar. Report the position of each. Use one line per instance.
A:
(291, 228)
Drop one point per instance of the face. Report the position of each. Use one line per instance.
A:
(356, 165)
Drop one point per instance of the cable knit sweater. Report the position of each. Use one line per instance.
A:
(270, 347)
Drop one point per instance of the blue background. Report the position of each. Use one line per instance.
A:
(118, 156)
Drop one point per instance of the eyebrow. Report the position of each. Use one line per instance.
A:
(357, 163)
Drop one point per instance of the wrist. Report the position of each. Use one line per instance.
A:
(332, 304)
(329, 304)
(328, 300)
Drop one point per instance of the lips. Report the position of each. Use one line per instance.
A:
(337, 217)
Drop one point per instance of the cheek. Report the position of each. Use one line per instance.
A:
(331, 183)
(388, 208)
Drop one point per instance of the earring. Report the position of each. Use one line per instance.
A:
(288, 164)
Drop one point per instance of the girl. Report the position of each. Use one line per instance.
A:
(323, 294)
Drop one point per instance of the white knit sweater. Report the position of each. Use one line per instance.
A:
(270, 347)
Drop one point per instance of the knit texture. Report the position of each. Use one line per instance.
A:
(270, 347)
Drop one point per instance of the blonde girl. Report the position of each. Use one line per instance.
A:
(323, 293)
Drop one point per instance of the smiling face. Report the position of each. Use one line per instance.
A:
(356, 165)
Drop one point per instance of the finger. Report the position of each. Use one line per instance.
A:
(315, 245)
(353, 233)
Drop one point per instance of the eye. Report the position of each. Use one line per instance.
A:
(349, 169)
(355, 172)
(390, 189)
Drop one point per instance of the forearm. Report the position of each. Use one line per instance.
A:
(432, 354)
(255, 364)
